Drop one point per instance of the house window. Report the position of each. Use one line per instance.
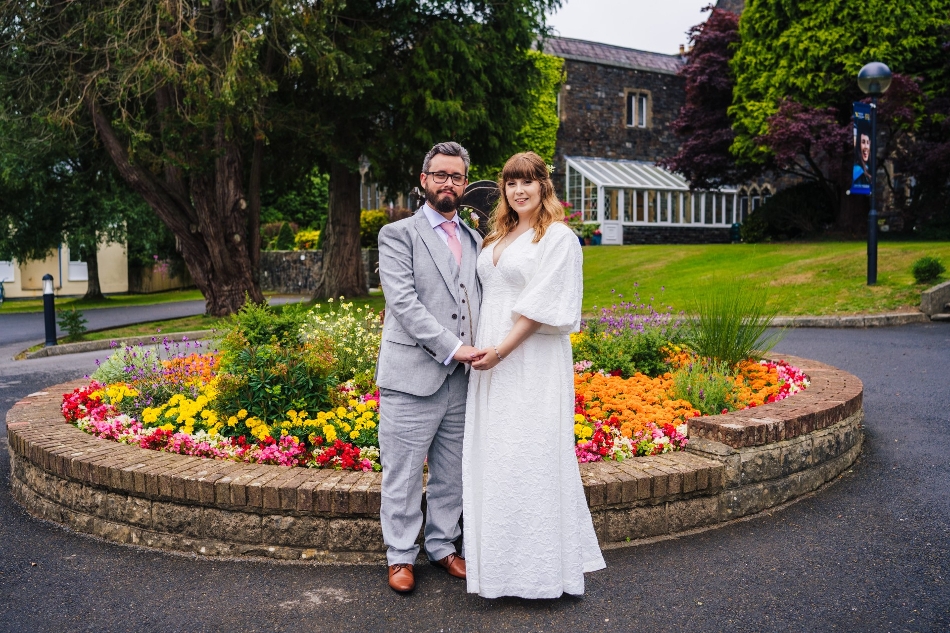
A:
(590, 201)
(6, 271)
(78, 270)
(575, 189)
(638, 107)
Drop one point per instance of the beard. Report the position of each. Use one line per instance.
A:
(446, 204)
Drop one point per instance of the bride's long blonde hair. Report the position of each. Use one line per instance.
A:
(504, 219)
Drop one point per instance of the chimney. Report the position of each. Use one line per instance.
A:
(682, 49)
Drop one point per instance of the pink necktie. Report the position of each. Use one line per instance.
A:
(454, 244)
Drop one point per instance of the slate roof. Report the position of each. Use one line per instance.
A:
(607, 54)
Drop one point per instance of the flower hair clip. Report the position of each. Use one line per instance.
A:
(550, 169)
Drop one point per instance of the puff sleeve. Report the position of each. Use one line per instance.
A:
(554, 293)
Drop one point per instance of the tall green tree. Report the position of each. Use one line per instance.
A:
(56, 191)
(810, 52)
(802, 58)
(443, 70)
(191, 100)
(539, 132)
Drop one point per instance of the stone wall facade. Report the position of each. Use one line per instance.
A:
(736, 465)
(297, 272)
(593, 114)
(675, 235)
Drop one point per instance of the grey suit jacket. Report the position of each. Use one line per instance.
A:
(428, 308)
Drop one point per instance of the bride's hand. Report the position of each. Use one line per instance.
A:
(488, 359)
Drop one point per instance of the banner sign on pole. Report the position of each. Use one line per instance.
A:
(863, 146)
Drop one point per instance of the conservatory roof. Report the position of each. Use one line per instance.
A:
(630, 174)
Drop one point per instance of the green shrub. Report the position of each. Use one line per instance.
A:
(627, 338)
(127, 364)
(306, 239)
(707, 385)
(370, 224)
(354, 336)
(797, 211)
(624, 353)
(267, 370)
(927, 269)
(269, 380)
(754, 229)
(258, 323)
(73, 323)
(285, 238)
(731, 325)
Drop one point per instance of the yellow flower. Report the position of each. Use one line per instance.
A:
(232, 421)
(242, 414)
(354, 435)
(578, 417)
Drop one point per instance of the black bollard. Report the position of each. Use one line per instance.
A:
(49, 310)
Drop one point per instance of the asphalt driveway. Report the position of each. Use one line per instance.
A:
(871, 552)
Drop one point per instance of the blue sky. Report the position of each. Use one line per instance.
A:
(649, 25)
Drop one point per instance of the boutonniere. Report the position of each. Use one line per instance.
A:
(470, 218)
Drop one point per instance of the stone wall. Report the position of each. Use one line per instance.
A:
(297, 272)
(675, 235)
(593, 114)
(935, 300)
(736, 465)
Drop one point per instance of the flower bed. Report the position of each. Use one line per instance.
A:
(295, 389)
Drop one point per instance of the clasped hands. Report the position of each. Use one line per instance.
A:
(478, 358)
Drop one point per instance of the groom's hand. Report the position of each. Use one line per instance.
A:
(468, 354)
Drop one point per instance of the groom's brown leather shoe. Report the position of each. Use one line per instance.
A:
(453, 563)
(401, 578)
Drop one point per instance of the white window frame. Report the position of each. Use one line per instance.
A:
(7, 271)
(77, 270)
(638, 109)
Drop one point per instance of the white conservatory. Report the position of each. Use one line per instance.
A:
(621, 193)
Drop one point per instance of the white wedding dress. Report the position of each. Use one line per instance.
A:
(527, 529)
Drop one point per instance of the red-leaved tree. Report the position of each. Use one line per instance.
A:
(703, 123)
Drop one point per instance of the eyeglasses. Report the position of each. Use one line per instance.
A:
(439, 177)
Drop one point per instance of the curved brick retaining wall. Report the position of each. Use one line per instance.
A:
(737, 464)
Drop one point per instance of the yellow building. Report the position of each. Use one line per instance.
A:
(70, 275)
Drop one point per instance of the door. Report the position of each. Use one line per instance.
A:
(611, 227)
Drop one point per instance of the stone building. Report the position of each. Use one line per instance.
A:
(615, 109)
(616, 103)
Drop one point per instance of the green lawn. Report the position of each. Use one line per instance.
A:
(802, 279)
(111, 301)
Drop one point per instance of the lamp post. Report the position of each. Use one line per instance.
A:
(49, 310)
(873, 80)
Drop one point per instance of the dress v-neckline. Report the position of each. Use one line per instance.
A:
(494, 264)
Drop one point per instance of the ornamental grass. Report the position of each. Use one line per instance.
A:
(295, 388)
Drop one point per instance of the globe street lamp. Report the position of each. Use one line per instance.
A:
(873, 80)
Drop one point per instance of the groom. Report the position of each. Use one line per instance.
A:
(427, 270)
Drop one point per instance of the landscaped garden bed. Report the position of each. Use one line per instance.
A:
(295, 388)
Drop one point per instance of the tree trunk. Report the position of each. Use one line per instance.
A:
(342, 260)
(254, 209)
(93, 288)
(206, 211)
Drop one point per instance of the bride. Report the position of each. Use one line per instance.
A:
(527, 529)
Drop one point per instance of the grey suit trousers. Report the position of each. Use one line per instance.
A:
(411, 429)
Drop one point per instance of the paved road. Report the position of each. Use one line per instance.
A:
(30, 327)
(869, 553)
